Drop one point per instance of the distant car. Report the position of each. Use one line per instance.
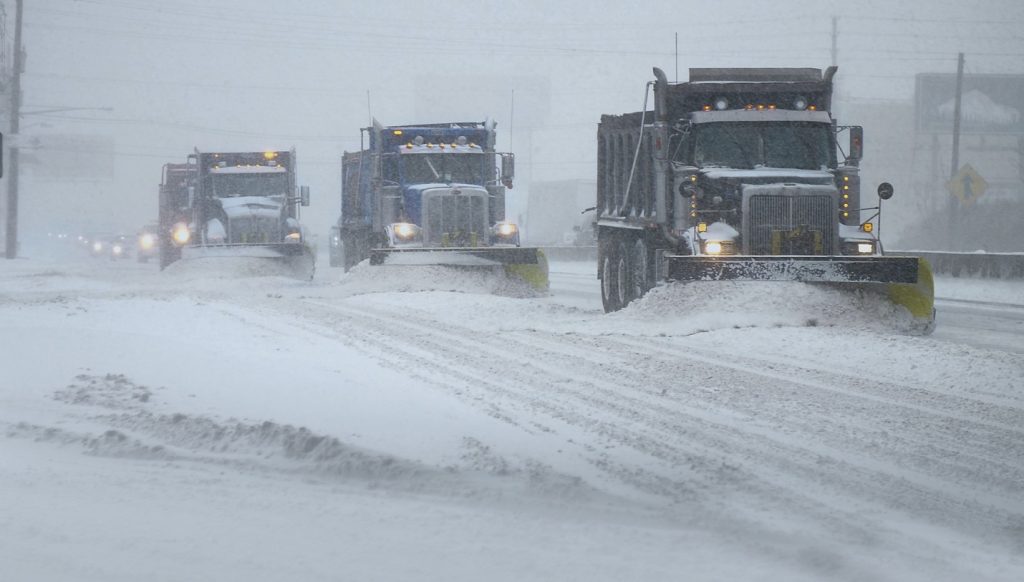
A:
(119, 247)
(147, 244)
(98, 244)
(111, 246)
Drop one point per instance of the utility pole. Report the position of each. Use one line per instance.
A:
(677, 57)
(11, 248)
(955, 166)
(835, 40)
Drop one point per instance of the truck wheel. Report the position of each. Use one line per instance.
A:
(609, 279)
(624, 285)
(640, 260)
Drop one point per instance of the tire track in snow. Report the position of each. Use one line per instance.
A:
(482, 349)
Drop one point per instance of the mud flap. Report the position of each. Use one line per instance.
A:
(918, 298)
(534, 274)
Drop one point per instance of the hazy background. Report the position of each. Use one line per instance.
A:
(141, 83)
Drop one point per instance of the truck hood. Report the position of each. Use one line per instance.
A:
(261, 206)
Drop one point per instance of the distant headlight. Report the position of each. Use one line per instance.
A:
(147, 241)
(117, 249)
(97, 246)
(181, 234)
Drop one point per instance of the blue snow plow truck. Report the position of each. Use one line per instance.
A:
(431, 194)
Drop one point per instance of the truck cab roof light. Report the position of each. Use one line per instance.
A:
(269, 155)
(397, 132)
(707, 108)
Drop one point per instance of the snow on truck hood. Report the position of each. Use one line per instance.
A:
(422, 188)
(781, 173)
(251, 206)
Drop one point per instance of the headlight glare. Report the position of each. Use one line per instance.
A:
(404, 230)
(180, 233)
(506, 229)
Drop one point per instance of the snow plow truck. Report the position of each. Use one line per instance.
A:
(739, 174)
(241, 205)
(431, 194)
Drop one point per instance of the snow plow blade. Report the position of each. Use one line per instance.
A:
(907, 281)
(289, 259)
(793, 268)
(918, 298)
(525, 263)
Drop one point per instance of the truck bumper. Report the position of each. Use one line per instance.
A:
(838, 269)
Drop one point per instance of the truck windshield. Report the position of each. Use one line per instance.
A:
(805, 146)
(233, 185)
(465, 168)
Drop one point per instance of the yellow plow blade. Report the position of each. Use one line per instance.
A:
(534, 274)
(918, 298)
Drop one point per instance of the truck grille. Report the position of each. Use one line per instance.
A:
(254, 230)
(780, 224)
(455, 219)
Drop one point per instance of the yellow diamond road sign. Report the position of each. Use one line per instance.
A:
(967, 185)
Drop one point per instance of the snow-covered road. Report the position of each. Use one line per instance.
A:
(382, 425)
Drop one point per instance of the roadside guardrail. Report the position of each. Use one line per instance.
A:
(980, 264)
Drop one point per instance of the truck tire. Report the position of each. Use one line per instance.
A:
(640, 271)
(609, 277)
(617, 279)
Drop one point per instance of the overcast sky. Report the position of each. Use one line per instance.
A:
(166, 77)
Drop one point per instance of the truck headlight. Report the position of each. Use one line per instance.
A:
(293, 237)
(506, 229)
(405, 231)
(859, 247)
(181, 234)
(719, 247)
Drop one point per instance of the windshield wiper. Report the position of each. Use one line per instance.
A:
(437, 175)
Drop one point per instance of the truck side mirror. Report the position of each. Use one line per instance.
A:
(304, 195)
(856, 144)
(508, 169)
